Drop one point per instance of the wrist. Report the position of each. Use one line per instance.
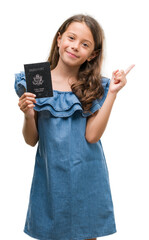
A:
(28, 117)
(112, 95)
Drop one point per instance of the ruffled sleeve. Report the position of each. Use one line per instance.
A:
(62, 104)
(20, 83)
(97, 103)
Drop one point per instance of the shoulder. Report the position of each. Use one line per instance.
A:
(20, 83)
(98, 102)
(105, 81)
(20, 75)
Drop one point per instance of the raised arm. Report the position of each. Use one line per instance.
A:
(97, 122)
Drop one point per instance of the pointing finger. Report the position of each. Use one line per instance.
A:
(129, 69)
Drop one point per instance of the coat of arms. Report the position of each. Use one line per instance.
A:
(37, 80)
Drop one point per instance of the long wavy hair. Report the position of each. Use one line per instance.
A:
(88, 87)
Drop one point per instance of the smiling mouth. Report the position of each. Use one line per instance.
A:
(71, 55)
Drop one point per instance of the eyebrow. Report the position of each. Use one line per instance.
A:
(76, 35)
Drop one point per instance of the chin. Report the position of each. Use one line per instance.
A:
(71, 63)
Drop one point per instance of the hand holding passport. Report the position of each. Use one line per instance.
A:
(38, 79)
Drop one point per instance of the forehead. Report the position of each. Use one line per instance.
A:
(81, 30)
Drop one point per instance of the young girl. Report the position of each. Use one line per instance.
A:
(70, 196)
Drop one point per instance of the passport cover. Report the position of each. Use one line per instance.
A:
(38, 79)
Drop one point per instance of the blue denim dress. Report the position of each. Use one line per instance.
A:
(70, 196)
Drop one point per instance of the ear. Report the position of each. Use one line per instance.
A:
(93, 55)
(59, 39)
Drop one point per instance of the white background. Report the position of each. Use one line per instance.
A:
(27, 29)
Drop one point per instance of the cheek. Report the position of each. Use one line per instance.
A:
(64, 44)
(86, 54)
(61, 47)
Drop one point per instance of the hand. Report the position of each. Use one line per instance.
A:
(26, 104)
(119, 80)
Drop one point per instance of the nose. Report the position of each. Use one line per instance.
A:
(75, 46)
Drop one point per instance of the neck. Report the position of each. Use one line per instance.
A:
(66, 71)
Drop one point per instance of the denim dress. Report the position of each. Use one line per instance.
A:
(70, 196)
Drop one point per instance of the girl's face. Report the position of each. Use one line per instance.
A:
(76, 44)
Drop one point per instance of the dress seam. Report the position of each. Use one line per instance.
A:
(104, 233)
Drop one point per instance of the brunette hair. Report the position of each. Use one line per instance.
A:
(88, 87)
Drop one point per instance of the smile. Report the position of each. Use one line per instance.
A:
(71, 54)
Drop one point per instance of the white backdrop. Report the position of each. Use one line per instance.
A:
(27, 29)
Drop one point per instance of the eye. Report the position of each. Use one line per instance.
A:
(85, 45)
(71, 38)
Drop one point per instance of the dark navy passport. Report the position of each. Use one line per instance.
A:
(38, 79)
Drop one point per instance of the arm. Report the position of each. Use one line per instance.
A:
(30, 132)
(97, 123)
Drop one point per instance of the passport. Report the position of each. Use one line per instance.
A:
(38, 79)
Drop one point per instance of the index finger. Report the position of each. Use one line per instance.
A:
(129, 69)
(27, 94)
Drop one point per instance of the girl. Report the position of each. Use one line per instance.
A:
(70, 196)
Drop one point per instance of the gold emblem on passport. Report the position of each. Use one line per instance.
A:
(37, 80)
